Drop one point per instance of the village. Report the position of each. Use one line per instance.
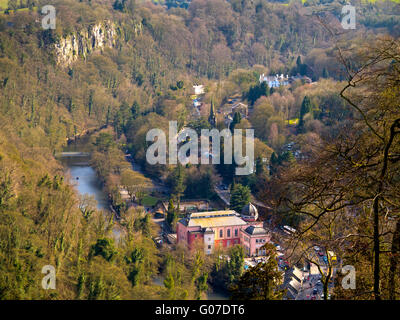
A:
(211, 224)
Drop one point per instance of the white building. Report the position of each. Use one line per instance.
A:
(198, 89)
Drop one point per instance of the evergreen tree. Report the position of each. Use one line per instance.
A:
(212, 117)
(178, 182)
(235, 264)
(325, 73)
(135, 110)
(299, 62)
(172, 215)
(273, 164)
(236, 120)
(260, 282)
(304, 109)
(240, 196)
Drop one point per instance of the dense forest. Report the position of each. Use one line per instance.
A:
(120, 68)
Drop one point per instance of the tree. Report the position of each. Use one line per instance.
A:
(257, 91)
(353, 174)
(134, 183)
(172, 215)
(260, 282)
(135, 110)
(87, 205)
(178, 182)
(325, 73)
(169, 283)
(135, 260)
(201, 285)
(90, 103)
(104, 142)
(235, 264)
(236, 120)
(105, 248)
(298, 61)
(304, 109)
(240, 196)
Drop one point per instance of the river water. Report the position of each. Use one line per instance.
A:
(85, 180)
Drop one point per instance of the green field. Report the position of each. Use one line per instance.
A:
(149, 201)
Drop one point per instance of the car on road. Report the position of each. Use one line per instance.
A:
(315, 291)
(320, 253)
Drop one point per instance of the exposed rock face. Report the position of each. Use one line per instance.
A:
(94, 38)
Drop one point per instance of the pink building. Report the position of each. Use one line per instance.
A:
(220, 228)
(253, 238)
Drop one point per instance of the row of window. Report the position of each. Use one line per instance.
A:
(228, 233)
(260, 240)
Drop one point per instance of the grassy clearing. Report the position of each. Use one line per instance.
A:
(149, 201)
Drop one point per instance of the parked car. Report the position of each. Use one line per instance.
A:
(315, 291)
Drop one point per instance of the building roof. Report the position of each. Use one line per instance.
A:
(255, 231)
(297, 274)
(250, 210)
(212, 219)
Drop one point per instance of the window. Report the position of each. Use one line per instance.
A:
(228, 243)
(236, 232)
(221, 233)
(229, 233)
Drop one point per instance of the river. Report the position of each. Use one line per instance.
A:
(85, 180)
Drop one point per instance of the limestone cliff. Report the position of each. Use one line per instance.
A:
(92, 39)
